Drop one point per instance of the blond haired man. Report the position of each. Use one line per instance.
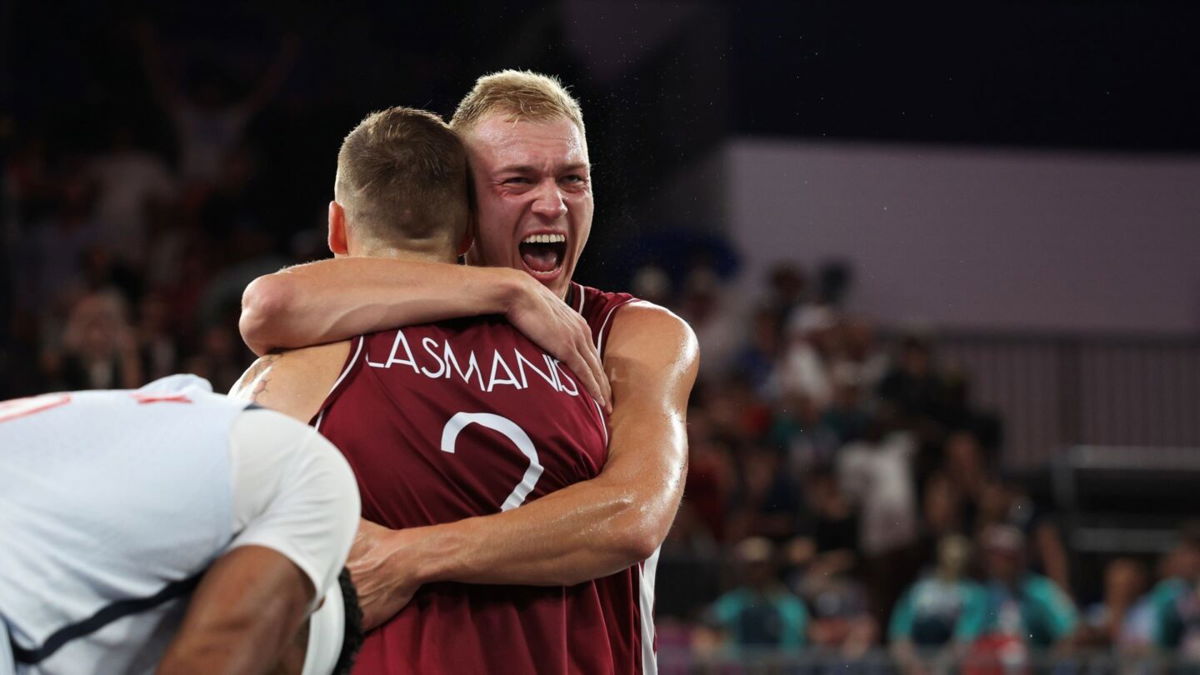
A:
(525, 137)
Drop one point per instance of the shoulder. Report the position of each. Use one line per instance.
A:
(294, 382)
(644, 324)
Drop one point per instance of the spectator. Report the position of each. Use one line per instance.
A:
(913, 385)
(1004, 503)
(132, 183)
(760, 611)
(768, 502)
(209, 123)
(805, 368)
(1105, 623)
(877, 474)
(799, 433)
(941, 612)
(99, 349)
(1176, 599)
(1021, 604)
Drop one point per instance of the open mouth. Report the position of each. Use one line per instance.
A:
(544, 253)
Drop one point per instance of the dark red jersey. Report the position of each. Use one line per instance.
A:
(459, 419)
(465, 418)
(627, 596)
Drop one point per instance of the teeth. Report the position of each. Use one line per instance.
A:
(544, 239)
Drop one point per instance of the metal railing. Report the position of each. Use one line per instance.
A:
(813, 661)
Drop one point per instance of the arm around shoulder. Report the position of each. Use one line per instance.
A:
(599, 526)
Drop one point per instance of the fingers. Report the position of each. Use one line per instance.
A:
(595, 368)
(584, 370)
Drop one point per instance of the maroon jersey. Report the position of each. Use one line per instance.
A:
(627, 596)
(467, 418)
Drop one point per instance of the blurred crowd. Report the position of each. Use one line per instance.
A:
(127, 260)
(849, 494)
(844, 490)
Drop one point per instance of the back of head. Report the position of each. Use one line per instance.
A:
(402, 179)
(521, 96)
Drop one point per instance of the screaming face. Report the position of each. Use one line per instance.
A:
(534, 196)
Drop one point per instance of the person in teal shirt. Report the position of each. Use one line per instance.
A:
(761, 612)
(1021, 603)
(943, 610)
(1175, 601)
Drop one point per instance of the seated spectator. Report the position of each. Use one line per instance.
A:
(841, 621)
(942, 611)
(760, 611)
(1176, 599)
(1105, 622)
(1002, 502)
(1021, 604)
(99, 349)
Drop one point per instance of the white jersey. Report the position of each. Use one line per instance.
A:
(114, 503)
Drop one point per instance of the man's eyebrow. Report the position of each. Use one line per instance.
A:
(517, 168)
(529, 168)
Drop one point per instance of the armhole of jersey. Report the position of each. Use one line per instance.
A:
(578, 294)
(604, 326)
(351, 364)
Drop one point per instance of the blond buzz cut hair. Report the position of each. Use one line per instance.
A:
(521, 95)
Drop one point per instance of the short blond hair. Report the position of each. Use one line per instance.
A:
(402, 177)
(519, 94)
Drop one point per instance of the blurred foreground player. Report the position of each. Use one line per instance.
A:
(533, 195)
(443, 421)
(170, 529)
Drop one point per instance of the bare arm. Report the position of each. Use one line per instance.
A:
(246, 610)
(337, 299)
(587, 530)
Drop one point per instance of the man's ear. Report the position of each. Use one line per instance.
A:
(338, 243)
(468, 236)
(465, 243)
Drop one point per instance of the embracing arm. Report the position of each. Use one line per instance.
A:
(340, 298)
(592, 528)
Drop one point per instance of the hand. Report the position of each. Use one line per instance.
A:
(544, 318)
(384, 584)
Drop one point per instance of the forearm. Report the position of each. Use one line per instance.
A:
(246, 609)
(579, 533)
(337, 299)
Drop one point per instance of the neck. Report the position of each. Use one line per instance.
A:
(409, 255)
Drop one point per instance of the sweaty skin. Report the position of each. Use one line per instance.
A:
(531, 178)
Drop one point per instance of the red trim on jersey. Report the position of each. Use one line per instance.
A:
(20, 407)
(144, 398)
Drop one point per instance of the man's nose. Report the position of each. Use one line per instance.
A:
(549, 203)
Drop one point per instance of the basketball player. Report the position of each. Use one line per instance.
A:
(446, 421)
(170, 528)
(529, 160)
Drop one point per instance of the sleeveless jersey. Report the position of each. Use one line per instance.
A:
(628, 595)
(111, 505)
(466, 418)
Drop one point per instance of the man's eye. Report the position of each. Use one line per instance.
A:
(573, 178)
(515, 180)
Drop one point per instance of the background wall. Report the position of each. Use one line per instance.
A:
(977, 238)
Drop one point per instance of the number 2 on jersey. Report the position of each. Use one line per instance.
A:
(511, 431)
